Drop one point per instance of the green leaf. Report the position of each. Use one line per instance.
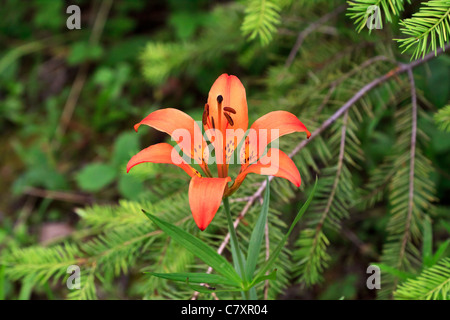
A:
(82, 51)
(197, 248)
(446, 225)
(440, 251)
(235, 260)
(2, 282)
(432, 284)
(27, 288)
(203, 289)
(442, 118)
(261, 19)
(268, 264)
(270, 276)
(257, 236)
(196, 278)
(125, 146)
(236, 253)
(130, 186)
(427, 248)
(95, 176)
(395, 272)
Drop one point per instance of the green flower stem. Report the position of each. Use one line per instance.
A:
(236, 251)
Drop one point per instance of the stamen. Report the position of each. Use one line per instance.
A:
(230, 121)
(219, 98)
(205, 117)
(228, 109)
(212, 120)
(197, 173)
(207, 109)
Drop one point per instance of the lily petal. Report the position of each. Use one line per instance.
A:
(205, 196)
(269, 164)
(282, 122)
(172, 122)
(233, 95)
(227, 111)
(161, 153)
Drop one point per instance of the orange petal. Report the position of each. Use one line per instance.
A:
(270, 164)
(233, 94)
(171, 121)
(205, 196)
(283, 121)
(227, 110)
(161, 153)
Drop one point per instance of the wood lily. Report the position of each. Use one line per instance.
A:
(225, 120)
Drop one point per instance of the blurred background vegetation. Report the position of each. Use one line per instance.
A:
(69, 100)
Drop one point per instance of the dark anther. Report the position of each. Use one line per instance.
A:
(219, 98)
(207, 109)
(230, 121)
(205, 117)
(213, 125)
(197, 173)
(228, 109)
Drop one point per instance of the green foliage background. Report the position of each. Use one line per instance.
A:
(66, 199)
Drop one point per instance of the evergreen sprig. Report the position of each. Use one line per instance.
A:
(358, 11)
(261, 20)
(442, 118)
(432, 284)
(428, 29)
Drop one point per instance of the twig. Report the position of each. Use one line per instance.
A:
(312, 27)
(243, 199)
(215, 296)
(59, 195)
(411, 168)
(336, 180)
(362, 247)
(338, 173)
(338, 81)
(25, 213)
(80, 78)
(394, 72)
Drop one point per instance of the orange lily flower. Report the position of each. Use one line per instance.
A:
(225, 111)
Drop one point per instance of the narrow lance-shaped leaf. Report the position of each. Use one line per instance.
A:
(208, 289)
(403, 275)
(440, 251)
(257, 235)
(427, 249)
(236, 253)
(195, 278)
(270, 276)
(197, 248)
(280, 246)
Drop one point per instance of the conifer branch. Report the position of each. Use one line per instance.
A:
(338, 172)
(401, 68)
(411, 165)
(432, 283)
(311, 28)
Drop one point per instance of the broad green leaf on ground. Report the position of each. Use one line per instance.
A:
(95, 176)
